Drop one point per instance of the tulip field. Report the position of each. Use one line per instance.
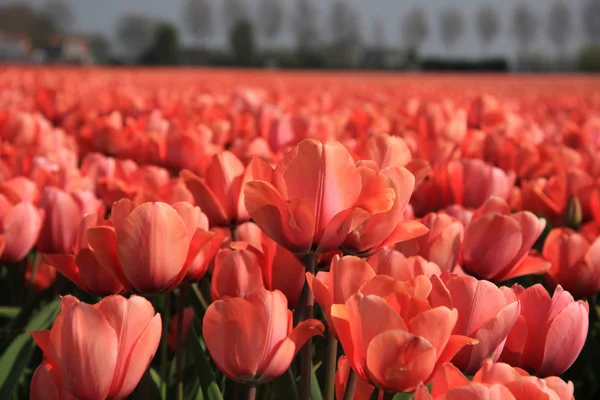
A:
(237, 234)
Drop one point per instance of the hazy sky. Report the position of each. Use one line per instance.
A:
(102, 16)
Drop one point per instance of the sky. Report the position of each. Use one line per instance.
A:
(101, 16)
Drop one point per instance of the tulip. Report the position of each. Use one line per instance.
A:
(575, 262)
(45, 275)
(550, 332)
(317, 196)
(20, 189)
(150, 247)
(397, 341)
(20, 225)
(281, 269)
(188, 318)
(45, 385)
(345, 277)
(83, 267)
(363, 390)
(484, 313)
(101, 351)
(389, 227)
(64, 212)
(237, 273)
(494, 382)
(440, 245)
(393, 263)
(497, 243)
(220, 193)
(258, 330)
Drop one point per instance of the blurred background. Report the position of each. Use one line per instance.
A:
(508, 35)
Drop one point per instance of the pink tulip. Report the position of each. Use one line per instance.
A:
(20, 225)
(393, 263)
(101, 351)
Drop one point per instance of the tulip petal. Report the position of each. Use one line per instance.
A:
(205, 198)
(97, 279)
(435, 325)
(103, 242)
(530, 265)
(398, 360)
(65, 264)
(340, 227)
(445, 378)
(120, 210)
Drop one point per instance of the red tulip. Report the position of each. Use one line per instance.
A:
(317, 197)
(549, 333)
(45, 385)
(20, 189)
(220, 193)
(83, 268)
(20, 225)
(45, 275)
(440, 245)
(397, 341)
(101, 351)
(497, 243)
(494, 382)
(345, 277)
(575, 262)
(258, 330)
(64, 212)
(237, 273)
(151, 246)
(393, 263)
(484, 313)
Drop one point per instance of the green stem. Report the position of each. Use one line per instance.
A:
(306, 357)
(332, 347)
(350, 385)
(179, 346)
(164, 346)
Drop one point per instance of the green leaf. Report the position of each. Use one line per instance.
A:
(404, 396)
(9, 312)
(203, 370)
(315, 390)
(148, 388)
(16, 357)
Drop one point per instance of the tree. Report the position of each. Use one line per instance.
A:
(451, 26)
(197, 18)
(414, 29)
(165, 46)
(271, 18)
(101, 51)
(305, 29)
(488, 24)
(234, 11)
(60, 13)
(135, 31)
(242, 43)
(20, 18)
(591, 21)
(345, 31)
(559, 25)
(524, 26)
(379, 32)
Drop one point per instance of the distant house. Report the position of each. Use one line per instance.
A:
(15, 47)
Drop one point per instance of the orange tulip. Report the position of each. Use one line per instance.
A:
(83, 267)
(484, 313)
(395, 342)
(345, 277)
(64, 212)
(393, 263)
(549, 333)
(497, 243)
(101, 351)
(317, 197)
(258, 330)
(494, 382)
(150, 247)
(575, 262)
(220, 193)
(20, 225)
(441, 244)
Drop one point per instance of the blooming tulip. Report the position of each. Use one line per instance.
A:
(64, 212)
(441, 244)
(398, 341)
(317, 196)
(575, 262)
(20, 225)
(258, 330)
(101, 351)
(83, 267)
(549, 333)
(497, 243)
(236, 273)
(220, 193)
(494, 382)
(393, 263)
(484, 313)
(150, 247)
